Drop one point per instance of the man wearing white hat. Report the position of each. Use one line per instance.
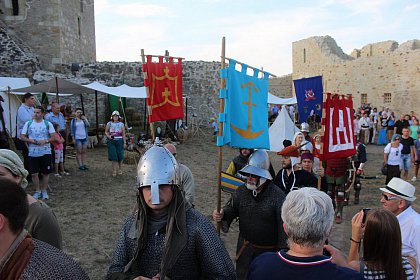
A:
(397, 197)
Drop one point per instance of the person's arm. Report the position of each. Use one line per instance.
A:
(336, 256)
(356, 236)
(231, 169)
(24, 135)
(124, 138)
(413, 152)
(214, 260)
(386, 154)
(85, 120)
(188, 184)
(107, 134)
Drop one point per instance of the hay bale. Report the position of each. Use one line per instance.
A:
(131, 158)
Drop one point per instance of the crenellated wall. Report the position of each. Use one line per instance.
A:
(385, 73)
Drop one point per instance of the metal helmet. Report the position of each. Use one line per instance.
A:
(258, 164)
(157, 167)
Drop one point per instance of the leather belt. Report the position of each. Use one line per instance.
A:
(246, 243)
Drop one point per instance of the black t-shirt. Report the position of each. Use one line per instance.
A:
(407, 143)
(400, 125)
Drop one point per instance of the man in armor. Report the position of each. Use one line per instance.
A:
(257, 204)
(358, 162)
(335, 172)
(287, 178)
(164, 237)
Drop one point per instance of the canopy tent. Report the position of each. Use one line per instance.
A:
(55, 85)
(11, 101)
(282, 128)
(272, 99)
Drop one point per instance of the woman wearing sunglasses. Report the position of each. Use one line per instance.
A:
(381, 236)
(392, 158)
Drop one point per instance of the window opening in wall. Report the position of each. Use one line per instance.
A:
(79, 27)
(304, 55)
(15, 6)
(387, 98)
(363, 98)
(81, 5)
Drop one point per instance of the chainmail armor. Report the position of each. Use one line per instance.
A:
(260, 222)
(204, 256)
(48, 262)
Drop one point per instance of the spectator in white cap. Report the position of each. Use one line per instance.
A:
(115, 132)
(397, 197)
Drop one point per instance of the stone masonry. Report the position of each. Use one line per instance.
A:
(59, 31)
(383, 74)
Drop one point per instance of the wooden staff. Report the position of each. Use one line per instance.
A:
(149, 108)
(322, 130)
(221, 110)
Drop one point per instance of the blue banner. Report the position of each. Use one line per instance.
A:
(245, 118)
(309, 97)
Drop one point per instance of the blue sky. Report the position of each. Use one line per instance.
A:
(259, 33)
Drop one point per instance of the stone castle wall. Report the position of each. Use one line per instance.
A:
(383, 74)
(59, 31)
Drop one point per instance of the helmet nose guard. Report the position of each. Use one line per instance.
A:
(157, 167)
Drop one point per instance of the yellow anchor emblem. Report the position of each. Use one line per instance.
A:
(248, 134)
(166, 93)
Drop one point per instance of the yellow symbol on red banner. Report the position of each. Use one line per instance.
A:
(248, 134)
(166, 93)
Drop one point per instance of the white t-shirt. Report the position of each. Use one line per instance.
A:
(394, 154)
(80, 132)
(38, 131)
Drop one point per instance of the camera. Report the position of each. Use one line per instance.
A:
(365, 213)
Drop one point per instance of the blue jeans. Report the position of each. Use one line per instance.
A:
(406, 161)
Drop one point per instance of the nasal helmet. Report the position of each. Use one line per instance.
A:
(157, 167)
(258, 164)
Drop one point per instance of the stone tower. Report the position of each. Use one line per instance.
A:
(58, 31)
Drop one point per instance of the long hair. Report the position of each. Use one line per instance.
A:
(382, 244)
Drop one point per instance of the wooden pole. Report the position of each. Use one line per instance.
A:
(220, 148)
(149, 108)
(57, 99)
(322, 132)
(254, 68)
(10, 114)
(96, 114)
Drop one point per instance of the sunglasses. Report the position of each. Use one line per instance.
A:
(397, 139)
(388, 198)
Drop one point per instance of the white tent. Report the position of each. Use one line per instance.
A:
(282, 128)
(272, 99)
(11, 100)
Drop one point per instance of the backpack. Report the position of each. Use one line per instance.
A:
(47, 125)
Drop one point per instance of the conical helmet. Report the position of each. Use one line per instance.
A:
(258, 164)
(157, 167)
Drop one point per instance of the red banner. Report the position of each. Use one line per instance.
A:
(164, 81)
(338, 140)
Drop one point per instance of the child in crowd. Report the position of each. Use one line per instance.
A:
(58, 152)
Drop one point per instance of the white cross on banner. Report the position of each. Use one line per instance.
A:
(338, 138)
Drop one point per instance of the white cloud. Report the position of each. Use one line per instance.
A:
(412, 7)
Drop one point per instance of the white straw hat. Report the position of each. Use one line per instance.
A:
(400, 188)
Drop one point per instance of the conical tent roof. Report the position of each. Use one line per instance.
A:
(282, 128)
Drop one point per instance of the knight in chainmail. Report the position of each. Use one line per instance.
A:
(21, 256)
(164, 237)
(257, 204)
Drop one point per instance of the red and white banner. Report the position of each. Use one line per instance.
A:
(339, 140)
(164, 81)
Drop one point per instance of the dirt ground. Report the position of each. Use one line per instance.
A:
(91, 206)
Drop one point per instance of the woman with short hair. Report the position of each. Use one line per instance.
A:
(381, 236)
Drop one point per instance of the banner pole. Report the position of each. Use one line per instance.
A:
(220, 148)
(322, 132)
(149, 109)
